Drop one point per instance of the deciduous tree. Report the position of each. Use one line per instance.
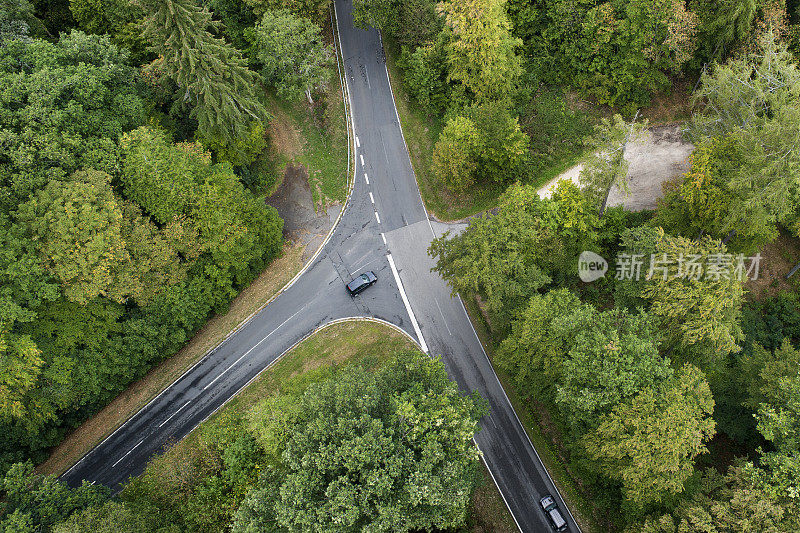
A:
(385, 451)
(292, 55)
(649, 442)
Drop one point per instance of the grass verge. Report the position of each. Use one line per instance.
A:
(136, 396)
(314, 136)
(421, 132)
(318, 357)
(579, 505)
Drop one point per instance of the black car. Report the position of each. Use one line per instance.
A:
(361, 282)
(553, 513)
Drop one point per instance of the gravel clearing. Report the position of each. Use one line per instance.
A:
(661, 155)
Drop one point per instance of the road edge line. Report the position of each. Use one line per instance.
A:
(293, 346)
(521, 425)
(483, 458)
(410, 311)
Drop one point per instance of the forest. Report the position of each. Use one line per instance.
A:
(133, 174)
(667, 390)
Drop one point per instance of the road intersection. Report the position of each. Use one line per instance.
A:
(385, 228)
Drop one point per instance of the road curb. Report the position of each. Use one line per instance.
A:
(295, 345)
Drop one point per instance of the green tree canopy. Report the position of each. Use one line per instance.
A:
(292, 55)
(203, 204)
(530, 241)
(649, 442)
(741, 500)
(64, 110)
(389, 450)
(455, 154)
(42, 501)
(612, 359)
(542, 335)
(481, 54)
(697, 310)
(211, 76)
(753, 105)
(78, 224)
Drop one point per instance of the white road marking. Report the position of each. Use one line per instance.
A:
(175, 413)
(127, 454)
(251, 349)
(443, 319)
(377, 217)
(358, 143)
(371, 198)
(366, 178)
(408, 305)
(400, 127)
(362, 159)
(365, 265)
(384, 238)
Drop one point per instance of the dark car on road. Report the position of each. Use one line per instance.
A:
(361, 282)
(553, 513)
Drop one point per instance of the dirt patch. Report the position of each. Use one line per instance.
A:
(302, 223)
(777, 260)
(284, 138)
(676, 105)
(661, 155)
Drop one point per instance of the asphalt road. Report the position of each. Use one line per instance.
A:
(384, 228)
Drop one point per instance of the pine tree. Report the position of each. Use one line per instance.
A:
(211, 74)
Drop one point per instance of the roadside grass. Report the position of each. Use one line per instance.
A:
(590, 518)
(314, 136)
(557, 130)
(421, 132)
(489, 513)
(316, 139)
(317, 357)
(126, 404)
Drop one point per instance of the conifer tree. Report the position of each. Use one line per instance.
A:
(211, 74)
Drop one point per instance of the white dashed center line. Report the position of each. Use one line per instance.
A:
(384, 238)
(371, 198)
(358, 143)
(362, 159)
(366, 178)
(173, 414)
(377, 217)
(127, 454)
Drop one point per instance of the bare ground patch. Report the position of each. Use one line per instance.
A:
(302, 223)
(661, 155)
(777, 260)
(284, 137)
